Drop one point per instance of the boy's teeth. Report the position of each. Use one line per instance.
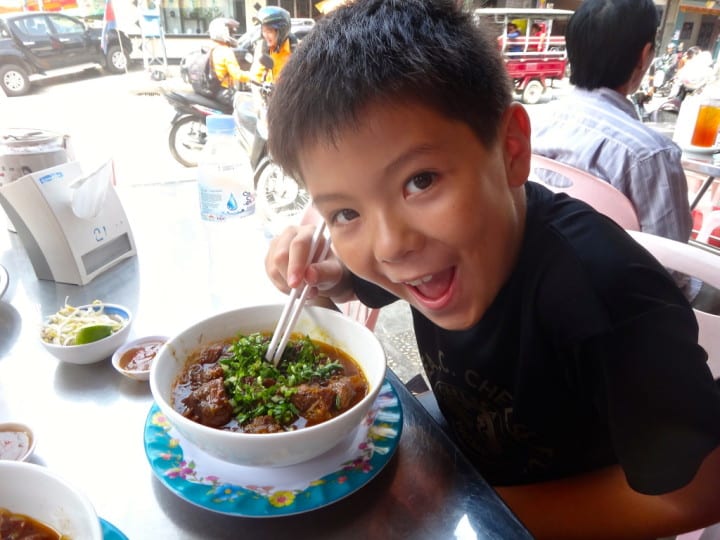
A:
(420, 281)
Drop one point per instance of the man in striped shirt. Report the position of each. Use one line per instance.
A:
(610, 46)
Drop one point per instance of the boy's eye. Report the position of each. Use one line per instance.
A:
(344, 216)
(420, 182)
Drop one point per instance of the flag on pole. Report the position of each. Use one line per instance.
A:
(109, 24)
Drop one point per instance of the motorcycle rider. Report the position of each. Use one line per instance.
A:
(224, 63)
(278, 43)
(667, 63)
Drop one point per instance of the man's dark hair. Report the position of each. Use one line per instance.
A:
(386, 51)
(605, 38)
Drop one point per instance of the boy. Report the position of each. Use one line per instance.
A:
(562, 355)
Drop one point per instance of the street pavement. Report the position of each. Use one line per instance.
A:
(125, 117)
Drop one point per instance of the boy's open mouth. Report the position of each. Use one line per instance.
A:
(433, 287)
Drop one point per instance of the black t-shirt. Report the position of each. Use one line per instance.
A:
(587, 357)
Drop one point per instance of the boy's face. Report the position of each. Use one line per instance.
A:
(417, 204)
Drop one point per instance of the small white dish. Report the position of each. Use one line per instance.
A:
(701, 150)
(17, 441)
(135, 357)
(95, 351)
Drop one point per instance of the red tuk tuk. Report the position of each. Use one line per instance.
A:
(533, 44)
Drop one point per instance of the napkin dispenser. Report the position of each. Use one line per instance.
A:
(71, 223)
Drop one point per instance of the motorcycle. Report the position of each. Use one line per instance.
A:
(188, 134)
(664, 113)
(665, 70)
(279, 197)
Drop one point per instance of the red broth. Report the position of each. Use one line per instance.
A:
(19, 527)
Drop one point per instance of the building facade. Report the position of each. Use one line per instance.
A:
(184, 22)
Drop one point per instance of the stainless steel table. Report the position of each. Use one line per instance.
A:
(89, 419)
(707, 165)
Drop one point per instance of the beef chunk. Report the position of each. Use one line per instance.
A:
(199, 374)
(263, 424)
(308, 395)
(211, 354)
(344, 390)
(209, 404)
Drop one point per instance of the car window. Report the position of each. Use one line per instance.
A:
(66, 25)
(34, 26)
(4, 32)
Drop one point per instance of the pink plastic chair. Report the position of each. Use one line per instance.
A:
(354, 309)
(697, 262)
(586, 187)
(710, 533)
(703, 264)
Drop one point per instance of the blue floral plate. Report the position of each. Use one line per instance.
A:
(236, 490)
(110, 531)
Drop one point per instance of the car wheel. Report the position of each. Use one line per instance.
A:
(187, 139)
(532, 92)
(116, 60)
(279, 197)
(14, 80)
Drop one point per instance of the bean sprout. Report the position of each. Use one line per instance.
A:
(63, 327)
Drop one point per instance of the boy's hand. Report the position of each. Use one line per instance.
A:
(286, 265)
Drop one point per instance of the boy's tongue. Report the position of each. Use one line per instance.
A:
(437, 286)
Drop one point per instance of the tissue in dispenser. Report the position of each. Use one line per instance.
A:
(71, 223)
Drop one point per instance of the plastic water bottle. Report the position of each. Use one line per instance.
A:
(225, 177)
(227, 209)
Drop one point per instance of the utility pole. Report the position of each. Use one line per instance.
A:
(667, 25)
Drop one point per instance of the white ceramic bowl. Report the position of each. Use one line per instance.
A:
(35, 491)
(269, 449)
(17, 441)
(97, 350)
(138, 375)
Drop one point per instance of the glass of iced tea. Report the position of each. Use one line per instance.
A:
(707, 124)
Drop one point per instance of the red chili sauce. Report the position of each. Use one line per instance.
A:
(139, 358)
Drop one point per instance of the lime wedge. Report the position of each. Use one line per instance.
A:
(89, 334)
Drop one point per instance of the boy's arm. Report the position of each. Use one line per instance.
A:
(602, 505)
(225, 57)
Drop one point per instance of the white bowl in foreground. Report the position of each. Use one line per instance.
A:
(269, 449)
(95, 351)
(35, 491)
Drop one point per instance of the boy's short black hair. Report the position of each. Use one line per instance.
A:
(386, 51)
(605, 38)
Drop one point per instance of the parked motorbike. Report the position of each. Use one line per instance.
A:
(188, 134)
(664, 112)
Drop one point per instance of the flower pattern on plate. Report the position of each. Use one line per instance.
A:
(262, 492)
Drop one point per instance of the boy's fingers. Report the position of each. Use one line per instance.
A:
(287, 257)
(325, 275)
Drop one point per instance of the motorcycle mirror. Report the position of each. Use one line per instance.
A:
(266, 61)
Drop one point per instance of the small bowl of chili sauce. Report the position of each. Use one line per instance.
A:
(135, 358)
(17, 441)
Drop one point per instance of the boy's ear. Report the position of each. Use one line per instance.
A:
(516, 144)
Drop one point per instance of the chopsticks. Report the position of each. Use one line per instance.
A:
(294, 305)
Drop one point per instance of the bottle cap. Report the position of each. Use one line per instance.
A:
(220, 123)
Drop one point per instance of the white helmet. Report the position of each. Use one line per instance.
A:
(221, 30)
